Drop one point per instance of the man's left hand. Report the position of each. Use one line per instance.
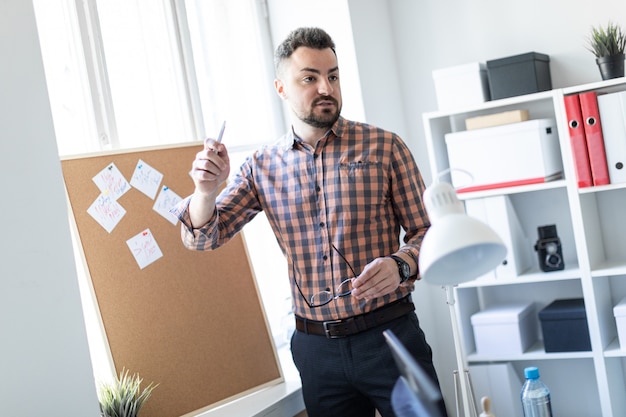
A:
(379, 277)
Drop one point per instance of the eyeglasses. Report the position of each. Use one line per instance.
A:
(324, 297)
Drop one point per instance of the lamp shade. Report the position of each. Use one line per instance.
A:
(457, 248)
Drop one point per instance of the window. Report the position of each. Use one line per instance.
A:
(131, 73)
(135, 73)
(144, 73)
(233, 58)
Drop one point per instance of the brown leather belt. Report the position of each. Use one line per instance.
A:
(346, 327)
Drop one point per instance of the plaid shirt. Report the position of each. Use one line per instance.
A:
(350, 194)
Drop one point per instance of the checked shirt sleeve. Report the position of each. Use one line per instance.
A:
(202, 238)
(408, 188)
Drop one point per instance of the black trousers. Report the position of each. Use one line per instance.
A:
(354, 376)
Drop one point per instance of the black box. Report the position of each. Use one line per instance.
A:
(564, 326)
(518, 75)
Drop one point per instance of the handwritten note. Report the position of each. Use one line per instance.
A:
(146, 179)
(111, 182)
(164, 202)
(144, 248)
(106, 211)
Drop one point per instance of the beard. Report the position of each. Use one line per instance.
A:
(326, 119)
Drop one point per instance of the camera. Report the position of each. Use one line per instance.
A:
(549, 250)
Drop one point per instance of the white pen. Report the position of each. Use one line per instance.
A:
(219, 136)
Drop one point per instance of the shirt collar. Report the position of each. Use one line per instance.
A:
(291, 139)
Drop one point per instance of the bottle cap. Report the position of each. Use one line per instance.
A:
(531, 372)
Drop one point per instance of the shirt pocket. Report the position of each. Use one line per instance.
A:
(363, 183)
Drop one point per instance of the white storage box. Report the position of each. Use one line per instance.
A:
(620, 318)
(499, 213)
(505, 330)
(504, 156)
(462, 85)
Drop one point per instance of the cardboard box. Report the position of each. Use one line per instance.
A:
(497, 119)
(519, 74)
(504, 156)
(462, 85)
(503, 330)
(619, 311)
(564, 326)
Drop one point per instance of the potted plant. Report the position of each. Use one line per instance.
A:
(607, 43)
(122, 398)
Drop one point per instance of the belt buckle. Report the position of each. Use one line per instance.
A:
(327, 330)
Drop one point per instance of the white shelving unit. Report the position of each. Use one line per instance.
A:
(592, 230)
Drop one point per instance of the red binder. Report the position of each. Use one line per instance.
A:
(595, 140)
(578, 141)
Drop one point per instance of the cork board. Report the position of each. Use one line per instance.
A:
(190, 321)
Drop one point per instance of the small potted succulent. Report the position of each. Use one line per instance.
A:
(122, 398)
(607, 43)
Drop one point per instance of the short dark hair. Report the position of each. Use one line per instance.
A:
(310, 37)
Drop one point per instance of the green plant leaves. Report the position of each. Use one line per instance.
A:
(606, 40)
(122, 398)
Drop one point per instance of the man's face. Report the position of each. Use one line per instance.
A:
(309, 82)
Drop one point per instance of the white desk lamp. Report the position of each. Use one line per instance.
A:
(457, 248)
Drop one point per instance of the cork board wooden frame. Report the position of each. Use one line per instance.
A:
(193, 322)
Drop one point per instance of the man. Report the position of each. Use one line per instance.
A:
(336, 194)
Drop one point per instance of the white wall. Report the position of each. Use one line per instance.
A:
(45, 369)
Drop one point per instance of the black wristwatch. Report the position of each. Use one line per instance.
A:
(403, 268)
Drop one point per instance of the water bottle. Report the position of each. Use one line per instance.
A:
(535, 395)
